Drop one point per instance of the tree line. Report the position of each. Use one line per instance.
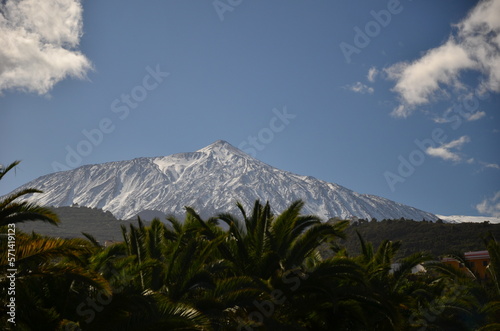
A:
(437, 238)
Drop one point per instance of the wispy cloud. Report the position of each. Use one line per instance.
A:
(39, 41)
(490, 206)
(444, 118)
(476, 46)
(476, 116)
(491, 165)
(448, 151)
(372, 74)
(440, 120)
(447, 116)
(359, 87)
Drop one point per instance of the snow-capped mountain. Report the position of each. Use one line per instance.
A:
(210, 180)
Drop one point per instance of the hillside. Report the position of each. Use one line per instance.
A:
(75, 220)
(436, 238)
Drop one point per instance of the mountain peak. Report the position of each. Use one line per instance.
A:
(220, 143)
(222, 147)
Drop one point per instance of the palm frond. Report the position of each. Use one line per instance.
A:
(92, 239)
(24, 212)
(5, 170)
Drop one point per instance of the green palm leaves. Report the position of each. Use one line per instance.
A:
(261, 244)
(17, 212)
(49, 279)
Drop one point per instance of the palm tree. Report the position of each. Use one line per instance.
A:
(143, 297)
(391, 283)
(261, 244)
(282, 252)
(49, 280)
(17, 212)
(167, 276)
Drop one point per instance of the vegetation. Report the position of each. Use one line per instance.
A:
(436, 238)
(252, 271)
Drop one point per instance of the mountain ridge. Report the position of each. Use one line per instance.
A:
(210, 180)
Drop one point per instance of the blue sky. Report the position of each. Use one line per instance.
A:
(394, 98)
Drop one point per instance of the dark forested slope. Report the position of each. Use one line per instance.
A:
(437, 238)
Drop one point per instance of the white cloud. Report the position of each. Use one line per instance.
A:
(476, 47)
(372, 74)
(359, 87)
(477, 115)
(445, 150)
(440, 120)
(444, 118)
(443, 153)
(448, 117)
(490, 206)
(491, 165)
(39, 40)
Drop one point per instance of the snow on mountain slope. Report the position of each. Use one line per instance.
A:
(469, 219)
(210, 180)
